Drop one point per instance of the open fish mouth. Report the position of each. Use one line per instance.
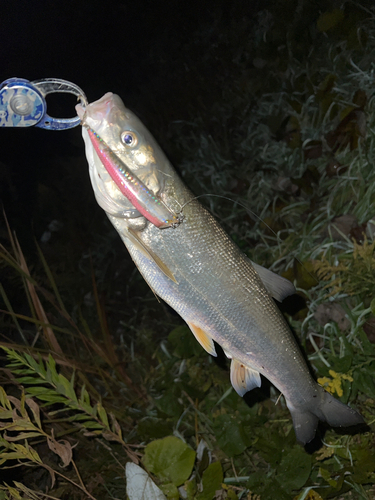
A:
(99, 109)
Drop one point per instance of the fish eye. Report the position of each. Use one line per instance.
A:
(129, 139)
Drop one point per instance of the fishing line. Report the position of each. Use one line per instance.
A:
(250, 212)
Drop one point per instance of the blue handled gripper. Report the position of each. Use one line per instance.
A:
(23, 104)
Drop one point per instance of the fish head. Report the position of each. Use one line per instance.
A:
(130, 140)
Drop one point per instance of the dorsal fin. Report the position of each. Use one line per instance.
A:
(243, 378)
(203, 338)
(276, 285)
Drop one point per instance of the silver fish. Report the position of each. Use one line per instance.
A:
(198, 270)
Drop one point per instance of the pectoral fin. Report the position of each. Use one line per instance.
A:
(276, 285)
(243, 378)
(147, 252)
(205, 340)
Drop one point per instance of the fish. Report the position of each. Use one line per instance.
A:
(196, 268)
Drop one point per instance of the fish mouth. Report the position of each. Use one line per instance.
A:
(97, 110)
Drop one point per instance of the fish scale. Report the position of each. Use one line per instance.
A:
(243, 332)
(200, 272)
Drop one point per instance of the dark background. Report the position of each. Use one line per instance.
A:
(135, 49)
(169, 62)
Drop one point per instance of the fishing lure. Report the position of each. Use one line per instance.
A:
(140, 196)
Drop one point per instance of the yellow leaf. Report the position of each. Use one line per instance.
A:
(330, 19)
(334, 384)
(311, 495)
(325, 452)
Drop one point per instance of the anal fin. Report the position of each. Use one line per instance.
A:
(243, 378)
(203, 338)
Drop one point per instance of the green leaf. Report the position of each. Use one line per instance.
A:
(231, 435)
(41, 390)
(45, 394)
(367, 346)
(169, 404)
(37, 367)
(19, 425)
(4, 401)
(102, 414)
(330, 19)
(211, 481)
(78, 417)
(326, 475)
(86, 408)
(49, 397)
(170, 491)
(266, 487)
(15, 494)
(191, 488)
(92, 425)
(30, 380)
(342, 365)
(64, 386)
(20, 452)
(20, 371)
(294, 469)
(364, 464)
(372, 306)
(364, 381)
(85, 397)
(5, 414)
(170, 459)
(184, 342)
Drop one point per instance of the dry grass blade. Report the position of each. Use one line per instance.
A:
(109, 352)
(12, 313)
(47, 330)
(52, 282)
(19, 262)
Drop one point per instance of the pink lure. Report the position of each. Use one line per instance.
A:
(144, 200)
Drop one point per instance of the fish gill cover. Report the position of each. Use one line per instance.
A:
(98, 374)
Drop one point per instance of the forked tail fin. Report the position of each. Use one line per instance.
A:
(326, 408)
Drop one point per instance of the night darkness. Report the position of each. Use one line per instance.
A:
(130, 48)
(167, 63)
(257, 100)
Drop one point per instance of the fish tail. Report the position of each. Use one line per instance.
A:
(323, 406)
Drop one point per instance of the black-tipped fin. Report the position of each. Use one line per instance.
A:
(322, 407)
(338, 414)
(305, 424)
(276, 285)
